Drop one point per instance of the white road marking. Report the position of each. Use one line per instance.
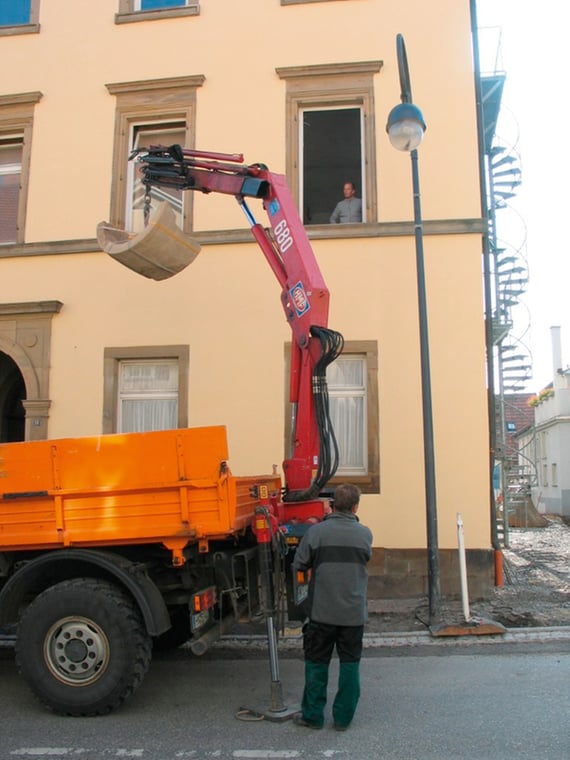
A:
(42, 751)
(264, 754)
(73, 751)
(238, 754)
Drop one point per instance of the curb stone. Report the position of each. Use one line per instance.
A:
(409, 639)
(393, 640)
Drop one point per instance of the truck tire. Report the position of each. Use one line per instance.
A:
(82, 647)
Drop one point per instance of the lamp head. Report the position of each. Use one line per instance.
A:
(406, 126)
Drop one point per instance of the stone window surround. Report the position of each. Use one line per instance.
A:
(127, 14)
(32, 27)
(369, 483)
(324, 85)
(16, 118)
(146, 102)
(302, 2)
(111, 360)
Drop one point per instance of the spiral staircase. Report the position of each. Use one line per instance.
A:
(509, 274)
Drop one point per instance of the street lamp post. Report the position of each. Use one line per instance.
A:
(406, 128)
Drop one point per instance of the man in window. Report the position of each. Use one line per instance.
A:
(349, 209)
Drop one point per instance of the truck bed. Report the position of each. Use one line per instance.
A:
(171, 487)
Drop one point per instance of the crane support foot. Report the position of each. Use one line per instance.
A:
(268, 713)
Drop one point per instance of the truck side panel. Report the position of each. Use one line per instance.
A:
(169, 486)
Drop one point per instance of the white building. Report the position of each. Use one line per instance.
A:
(552, 438)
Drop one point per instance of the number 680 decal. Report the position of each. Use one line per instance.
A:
(283, 236)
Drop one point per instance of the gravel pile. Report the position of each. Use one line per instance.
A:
(537, 577)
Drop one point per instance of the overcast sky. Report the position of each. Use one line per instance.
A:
(534, 41)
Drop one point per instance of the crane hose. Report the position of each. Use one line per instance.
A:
(332, 344)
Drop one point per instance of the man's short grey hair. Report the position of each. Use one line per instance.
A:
(346, 496)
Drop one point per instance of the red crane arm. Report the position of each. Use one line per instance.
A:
(313, 457)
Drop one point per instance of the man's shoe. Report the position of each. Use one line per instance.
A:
(298, 720)
(338, 727)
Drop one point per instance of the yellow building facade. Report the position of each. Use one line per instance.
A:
(304, 86)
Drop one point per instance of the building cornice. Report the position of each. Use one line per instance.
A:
(21, 98)
(329, 69)
(144, 85)
(30, 307)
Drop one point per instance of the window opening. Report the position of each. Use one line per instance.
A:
(148, 395)
(143, 136)
(10, 183)
(331, 149)
(150, 5)
(15, 12)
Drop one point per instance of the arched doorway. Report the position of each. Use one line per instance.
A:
(25, 361)
(12, 394)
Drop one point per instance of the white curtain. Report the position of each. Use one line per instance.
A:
(347, 416)
(155, 414)
(347, 393)
(148, 395)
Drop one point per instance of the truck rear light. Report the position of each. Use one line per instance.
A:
(204, 599)
(301, 580)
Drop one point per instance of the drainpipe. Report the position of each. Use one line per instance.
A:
(488, 296)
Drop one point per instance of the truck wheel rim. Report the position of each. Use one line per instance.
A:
(76, 651)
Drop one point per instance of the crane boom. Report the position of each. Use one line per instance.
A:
(313, 458)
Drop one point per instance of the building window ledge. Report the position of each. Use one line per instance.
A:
(302, 2)
(8, 31)
(243, 235)
(133, 16)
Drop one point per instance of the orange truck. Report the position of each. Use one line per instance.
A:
(113, 545)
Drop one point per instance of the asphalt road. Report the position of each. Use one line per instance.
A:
(477, 704)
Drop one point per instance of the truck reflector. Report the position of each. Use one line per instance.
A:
(204, 599)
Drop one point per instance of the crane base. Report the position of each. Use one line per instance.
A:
(266, 713)
(477, 626)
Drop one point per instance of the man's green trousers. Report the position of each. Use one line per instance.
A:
(319, 641)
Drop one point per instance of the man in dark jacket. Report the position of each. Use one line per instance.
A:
(336, 552)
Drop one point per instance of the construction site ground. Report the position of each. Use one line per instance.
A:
(536, 590)
(533, 603)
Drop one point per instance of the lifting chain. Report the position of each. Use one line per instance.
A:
(146, 207)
